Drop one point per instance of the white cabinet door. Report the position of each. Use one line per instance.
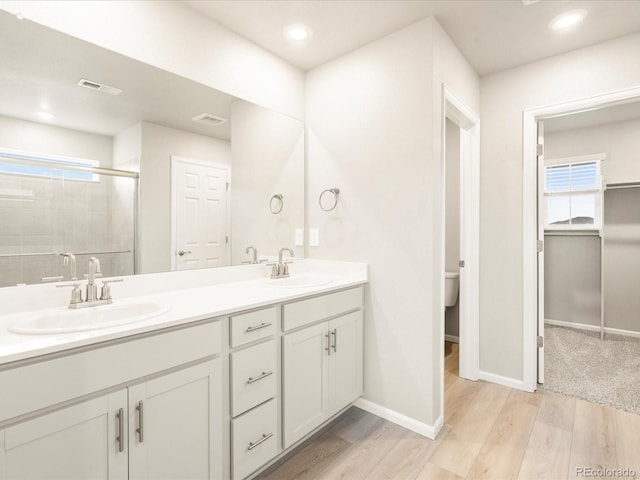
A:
(346, 360)
(305, 377)
(175, 424)
(77, 442)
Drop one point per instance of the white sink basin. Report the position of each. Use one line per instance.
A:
(90, 318)
(298, 281)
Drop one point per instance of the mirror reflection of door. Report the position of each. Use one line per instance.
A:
(200, 214)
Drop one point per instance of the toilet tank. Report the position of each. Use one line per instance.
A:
(451, 283)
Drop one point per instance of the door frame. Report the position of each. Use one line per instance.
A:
(461, 115)
(531, 293)
(200, 163)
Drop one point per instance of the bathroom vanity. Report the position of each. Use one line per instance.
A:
(219, 385)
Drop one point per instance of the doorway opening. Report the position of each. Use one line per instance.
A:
(572, 230)
(460, 236)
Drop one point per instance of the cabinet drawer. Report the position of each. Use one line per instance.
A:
(252, 326)
(94, 368)
(301, 313)
(254, 439)
(253, 377)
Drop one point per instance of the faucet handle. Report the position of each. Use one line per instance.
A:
(76, 293)
(97, 275)
(53, 279)
(105, 291)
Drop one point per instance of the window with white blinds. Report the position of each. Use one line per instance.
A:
(573, 196)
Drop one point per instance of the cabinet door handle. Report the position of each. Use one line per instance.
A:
(258, 327)
(328, 349)
(260, 377)
(120, 437)
(265, 437)
(140, 429)
(335, 339)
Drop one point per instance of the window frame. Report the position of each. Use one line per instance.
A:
(597, 158)
(47, 161)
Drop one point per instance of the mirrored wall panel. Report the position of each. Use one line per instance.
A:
(220, 181)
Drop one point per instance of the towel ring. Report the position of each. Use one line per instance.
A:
(277, 196)
(335, 192)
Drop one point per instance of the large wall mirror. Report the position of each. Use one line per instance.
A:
(102, 155)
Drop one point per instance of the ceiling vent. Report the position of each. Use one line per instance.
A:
(83, 82)
(209, 119)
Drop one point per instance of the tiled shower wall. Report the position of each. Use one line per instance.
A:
(44, 217)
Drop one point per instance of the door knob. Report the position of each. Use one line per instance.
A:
(182, 252)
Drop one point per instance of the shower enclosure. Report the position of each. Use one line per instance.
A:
(54, 209)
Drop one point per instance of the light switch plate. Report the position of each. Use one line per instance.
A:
(299, 240)
(314, 237)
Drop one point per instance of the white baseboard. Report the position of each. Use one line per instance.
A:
(426, 430)
(500, 380)
(451, 338)
(591, 328)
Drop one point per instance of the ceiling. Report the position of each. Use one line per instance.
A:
(492, 34)
(41, 67)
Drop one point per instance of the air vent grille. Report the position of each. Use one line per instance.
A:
(209, 119)
(83, 82)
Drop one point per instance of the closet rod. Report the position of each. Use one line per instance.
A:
(613, 186)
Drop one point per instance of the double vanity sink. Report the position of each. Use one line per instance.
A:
(67, 320)
(239, 365)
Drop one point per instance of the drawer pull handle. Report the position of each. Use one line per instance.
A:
(265, 437)
(120, 437)
(260, 377)
(334, 333)
(140, 428)
(258, 327)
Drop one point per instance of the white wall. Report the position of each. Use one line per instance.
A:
(41, 138)
(171, 36)
(268, 159)
(371, 118)
(598, 69)
(127, 148)
(619, 140)
(158, 145)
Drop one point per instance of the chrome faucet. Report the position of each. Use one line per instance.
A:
(91, 299)
(70, 259)
(92, 288)
(281, 269)
(255, 253)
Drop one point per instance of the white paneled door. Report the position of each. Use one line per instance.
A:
(200, 216)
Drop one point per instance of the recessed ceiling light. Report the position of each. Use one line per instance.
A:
(568, 19)
(45, 115)
(297, 32)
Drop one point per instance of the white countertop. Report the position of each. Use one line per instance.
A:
(185, 305)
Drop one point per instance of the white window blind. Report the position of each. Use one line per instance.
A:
(573, 196)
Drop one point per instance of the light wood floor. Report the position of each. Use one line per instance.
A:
(490, 432)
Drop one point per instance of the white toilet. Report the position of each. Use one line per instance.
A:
(451, 283)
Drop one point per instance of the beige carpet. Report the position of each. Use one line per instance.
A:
(607, 372)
